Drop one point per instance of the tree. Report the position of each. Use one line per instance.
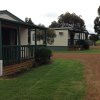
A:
(97, 22)
(97, 25)
(29, 20)
(54, 24)
(99, 10)
(50, 34)
(69, 20)
(40, 34)
(94, 38)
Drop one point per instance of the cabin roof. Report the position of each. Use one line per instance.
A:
(6, 16)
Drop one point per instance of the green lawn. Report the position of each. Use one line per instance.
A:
(98, 41)
(81, 51)
(61, 80)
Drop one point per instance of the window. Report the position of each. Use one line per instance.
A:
(61, 33)
(77, 36)
(33, 37)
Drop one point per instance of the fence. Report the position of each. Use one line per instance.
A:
(72, 42)
(13, 54)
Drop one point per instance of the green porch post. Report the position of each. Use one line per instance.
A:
(19, 44)
(18, 34)
(0, 42)
(45, 37)
(86, 36)
(83, 36)
(29, 36)
(31, 51)
(1, 60)
(79, 36)
(35, 44)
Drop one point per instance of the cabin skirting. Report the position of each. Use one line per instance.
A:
(12, 69)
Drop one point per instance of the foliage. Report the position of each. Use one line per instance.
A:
(98, 41)
(69, 20)
(97, 22)
(61, 80)
(54, 24)
(40, 34)
(50, 35)
(82, 44)
(94, 37)
(29, 20)
(99, 10)
(43, 55)
(97, 25)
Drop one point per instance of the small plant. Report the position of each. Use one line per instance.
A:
(82, 44)
(43, 55)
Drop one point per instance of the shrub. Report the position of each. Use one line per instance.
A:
(43, 55)
(82, 44)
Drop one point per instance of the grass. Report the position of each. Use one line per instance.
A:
(81, 51)
(61, 80)
(98, 41)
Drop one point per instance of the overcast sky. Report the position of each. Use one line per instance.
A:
(46, 11)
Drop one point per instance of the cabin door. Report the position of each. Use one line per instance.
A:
(9, 39)
(9, 36)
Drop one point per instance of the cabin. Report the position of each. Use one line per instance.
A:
(66, 38)
(16, 50)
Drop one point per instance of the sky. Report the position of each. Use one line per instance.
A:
(46, 11)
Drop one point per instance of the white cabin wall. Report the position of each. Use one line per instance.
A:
(24, 36)
(60, 40)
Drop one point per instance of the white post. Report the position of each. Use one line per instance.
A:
(1, 67)
(1, 61)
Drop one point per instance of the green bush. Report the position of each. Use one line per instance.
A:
(43, 55)
(82, 44)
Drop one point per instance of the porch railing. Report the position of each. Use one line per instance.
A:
(13, 54)
(72, 42)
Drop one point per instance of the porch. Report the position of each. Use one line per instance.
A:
(75, 36)
(12, 54)
(16, 50)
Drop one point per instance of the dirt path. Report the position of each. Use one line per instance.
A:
(92, 71)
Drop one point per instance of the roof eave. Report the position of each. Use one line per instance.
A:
(32, 26)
